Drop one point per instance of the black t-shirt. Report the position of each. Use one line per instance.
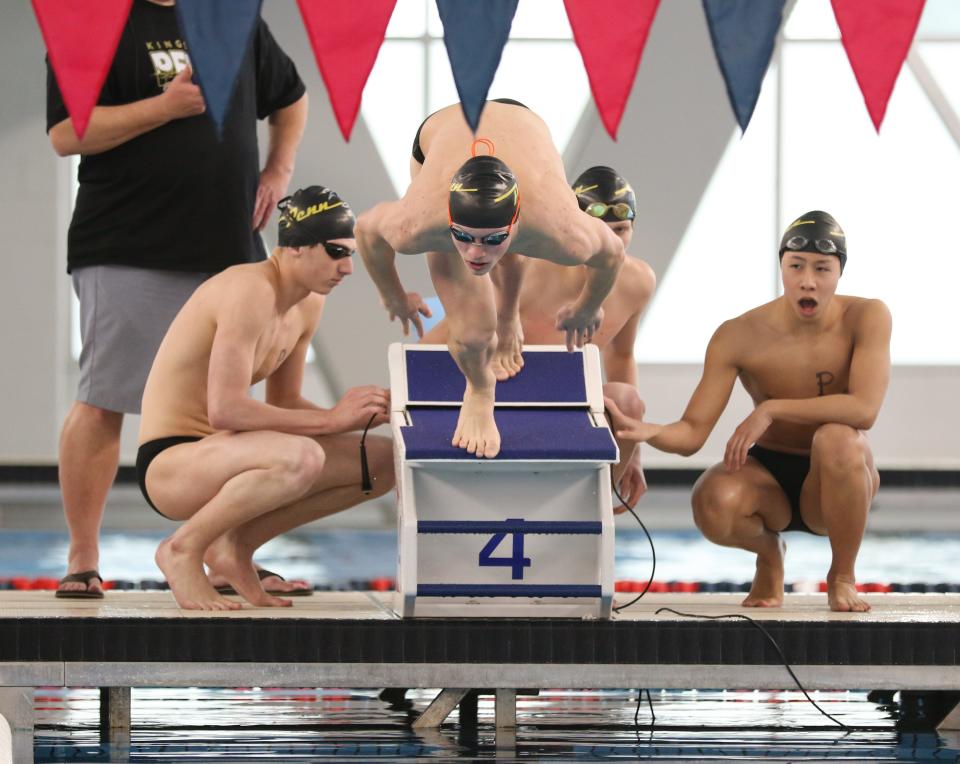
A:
(177, 197)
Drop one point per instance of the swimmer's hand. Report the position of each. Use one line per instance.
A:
(409, 310)
(578, 327)
(357, 405)
(748, 433)
(627, 428)
(632, 484)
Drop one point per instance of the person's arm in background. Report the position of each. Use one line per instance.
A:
(111, 126)
(286, 131)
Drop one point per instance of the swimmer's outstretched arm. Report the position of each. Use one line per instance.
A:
(379, 258)
(687, 435)
(602, 252)
(858, 407)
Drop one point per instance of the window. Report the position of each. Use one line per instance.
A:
(814, 147)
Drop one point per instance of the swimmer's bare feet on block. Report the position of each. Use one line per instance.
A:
(190, 586)
(273, 583)
(476, 429)
(508, 357)
(767, 589)
(229, 559)
(842, 595)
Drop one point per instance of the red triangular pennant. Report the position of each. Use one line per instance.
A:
(877, 36)
(345, 43)
(611, 44)
(81, 38)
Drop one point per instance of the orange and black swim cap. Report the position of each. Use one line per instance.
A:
(484, 192)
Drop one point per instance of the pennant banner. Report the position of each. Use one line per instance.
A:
(611, 44)
(81, 38)
(475, 33)
(345, 44)
(218, 35)
(877, 36)
(743, 34)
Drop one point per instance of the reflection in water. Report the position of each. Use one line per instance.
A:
(253, 724)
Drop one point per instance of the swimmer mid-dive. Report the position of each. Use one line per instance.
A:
(239, 471)
(471, 214)
(816, 365)
(547, 287)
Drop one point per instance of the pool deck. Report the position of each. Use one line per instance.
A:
(354, 639)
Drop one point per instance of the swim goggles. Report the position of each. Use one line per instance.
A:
(824, 246)
(337, 252)
(620, 210)
(490, 240)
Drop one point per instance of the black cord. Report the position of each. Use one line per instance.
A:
(366, 484)
(771, 640)
(653, 551)
(746, 618)
(636, 715)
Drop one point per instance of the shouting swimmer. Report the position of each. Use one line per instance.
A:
(817, 365)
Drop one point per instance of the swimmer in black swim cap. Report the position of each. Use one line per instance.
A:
(484, 206)
(603, 193)
(315, 219)
(815, 231)
(813, 253)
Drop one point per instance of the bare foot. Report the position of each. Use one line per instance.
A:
(508, 357)
(767, 589)
(190, 586)
(476, 429)
(269, 583)
(842, 595)
(228, 559)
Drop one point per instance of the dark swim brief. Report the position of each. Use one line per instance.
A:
(148, 452)
(789, 470)
(418, 152)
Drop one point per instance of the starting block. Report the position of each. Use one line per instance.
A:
(527, 533)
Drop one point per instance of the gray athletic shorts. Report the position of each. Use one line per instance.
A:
(124, 314)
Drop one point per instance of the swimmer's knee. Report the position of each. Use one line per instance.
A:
(300, 462)
(716, 499)
(839, 448)
(627, 399)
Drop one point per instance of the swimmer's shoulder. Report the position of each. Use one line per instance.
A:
(636, 280)
(862, 314)
(247, 288)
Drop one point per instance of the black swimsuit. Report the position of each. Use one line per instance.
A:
(789, 470)
(418, 152)
(150, 451)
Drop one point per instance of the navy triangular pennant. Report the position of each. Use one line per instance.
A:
(475, 34)
(218, 34)
(743, 34)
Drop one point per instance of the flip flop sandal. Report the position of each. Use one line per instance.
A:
(263, 573)
(83, 577)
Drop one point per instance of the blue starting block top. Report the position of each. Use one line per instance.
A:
(546, 377)
(537, 434)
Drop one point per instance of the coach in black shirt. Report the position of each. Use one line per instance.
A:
(163, 203)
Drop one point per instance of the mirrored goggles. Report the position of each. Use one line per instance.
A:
(494, 239)
(620, 210)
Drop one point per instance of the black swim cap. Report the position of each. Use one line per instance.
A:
(313, 215)
(605, 186)
(484, 194)
(815, 231)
